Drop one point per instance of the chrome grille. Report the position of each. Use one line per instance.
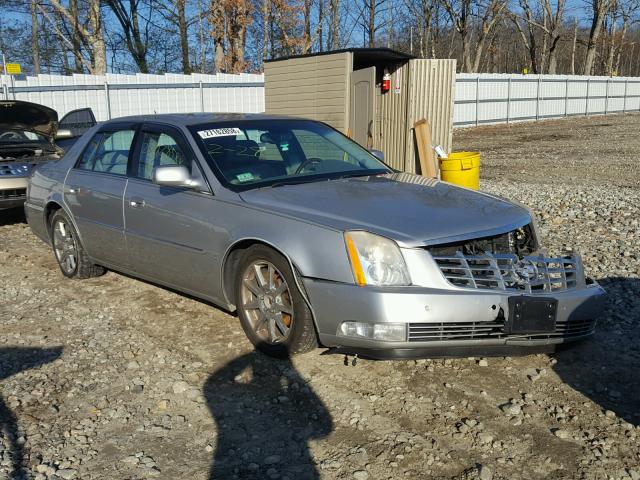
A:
(529, 274)
(433, 332)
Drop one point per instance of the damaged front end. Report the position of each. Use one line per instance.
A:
(510, 262)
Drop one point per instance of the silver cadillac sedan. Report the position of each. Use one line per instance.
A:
(312, 239)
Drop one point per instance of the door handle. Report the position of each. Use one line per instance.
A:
(136, 202)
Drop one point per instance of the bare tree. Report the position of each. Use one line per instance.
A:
(529, 38)
(229, 20)
(175, 13)
(628, 11)
(266, 25)
(217, 21)
(369, 19)
(201, 38)
(92, 35)
(238, 18)
(127, 12)
(551, 28)
(334, 24)
(35, 48)
(76, 40)
(181, 17)
(599, 9)
(573, 46)
(423, 13)
(462, 13)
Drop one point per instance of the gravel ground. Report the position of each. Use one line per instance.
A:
(113, 378)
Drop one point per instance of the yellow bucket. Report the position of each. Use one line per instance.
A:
(461, 168)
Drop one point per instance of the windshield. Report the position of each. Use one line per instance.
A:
(251, 153)
(20, 136)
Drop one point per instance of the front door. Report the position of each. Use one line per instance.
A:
(93, 190)
(363, 84)
(168, 229)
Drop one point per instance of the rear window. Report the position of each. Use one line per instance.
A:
(107, 152)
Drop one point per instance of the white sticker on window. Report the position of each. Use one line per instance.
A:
(219, 132)
(245, 177)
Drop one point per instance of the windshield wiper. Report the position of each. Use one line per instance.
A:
(283, 183)
(359, 173)
(299, 181)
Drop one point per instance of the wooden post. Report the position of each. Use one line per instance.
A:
(428, 166)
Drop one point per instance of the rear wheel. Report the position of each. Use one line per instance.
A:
(68, 250)
(272, 311)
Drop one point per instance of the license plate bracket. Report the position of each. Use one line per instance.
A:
(531, 315)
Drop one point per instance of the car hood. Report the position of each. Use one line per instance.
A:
(413, 210)
(19, 115)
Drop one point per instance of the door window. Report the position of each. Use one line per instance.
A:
(107, 152)
(157, 150)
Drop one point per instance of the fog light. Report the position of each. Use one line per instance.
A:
(390, 332)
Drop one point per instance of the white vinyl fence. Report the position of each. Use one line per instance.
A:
(479, 98)
(114, 95)
(503, 98)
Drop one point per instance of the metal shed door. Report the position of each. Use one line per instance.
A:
(363, 83)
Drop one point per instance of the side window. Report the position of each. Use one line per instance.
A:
(88, 157)
(108, 152)
(157, 150)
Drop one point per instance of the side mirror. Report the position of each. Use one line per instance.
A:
(63, 133)
(378, 154)
(174, 176)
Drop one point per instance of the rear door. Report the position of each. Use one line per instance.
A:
(94, 190)
(168, 229)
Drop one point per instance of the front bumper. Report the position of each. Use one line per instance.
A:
(442, 322)
(13, 191)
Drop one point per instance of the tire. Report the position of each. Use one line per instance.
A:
(68, 250)
(275, 318)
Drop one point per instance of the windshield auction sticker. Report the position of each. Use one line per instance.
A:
(219, 132)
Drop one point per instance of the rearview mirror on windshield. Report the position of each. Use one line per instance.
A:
(378, 154)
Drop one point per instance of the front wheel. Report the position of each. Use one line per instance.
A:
(272, 311)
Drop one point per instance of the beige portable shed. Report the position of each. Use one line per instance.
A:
(345, 89)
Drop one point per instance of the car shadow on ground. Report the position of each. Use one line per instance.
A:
(12, 361)
(12, 216)
(266, 414)
(605, 368)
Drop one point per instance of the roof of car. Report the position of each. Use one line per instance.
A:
(186, 119)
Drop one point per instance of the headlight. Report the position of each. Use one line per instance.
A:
(376, 260)
(21, 169)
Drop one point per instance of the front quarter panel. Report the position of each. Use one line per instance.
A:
(316, 251)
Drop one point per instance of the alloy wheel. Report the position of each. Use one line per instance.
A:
(266, 302)
(64, 245)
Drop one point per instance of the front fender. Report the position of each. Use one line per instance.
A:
(315, 251)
